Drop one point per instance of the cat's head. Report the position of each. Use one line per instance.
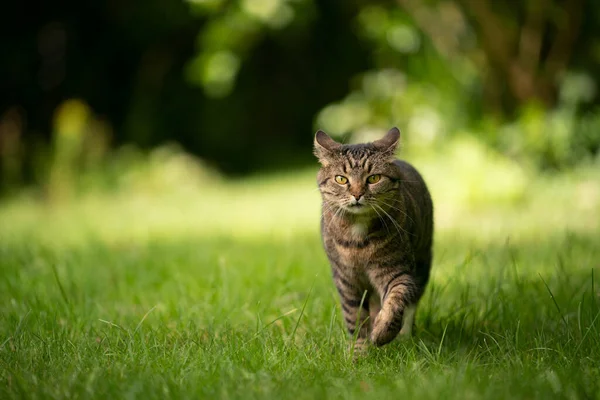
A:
(358, 178)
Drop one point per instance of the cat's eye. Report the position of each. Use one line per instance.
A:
(374, 178)
(342, 180)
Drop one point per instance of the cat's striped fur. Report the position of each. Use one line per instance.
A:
(378, 236)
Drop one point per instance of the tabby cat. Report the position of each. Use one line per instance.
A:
(377, 231)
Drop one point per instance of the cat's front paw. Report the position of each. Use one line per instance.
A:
(382, 336)
(385, 328)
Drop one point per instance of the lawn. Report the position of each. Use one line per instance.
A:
(222, 290)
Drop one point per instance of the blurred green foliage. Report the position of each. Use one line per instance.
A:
(438, 67)
(243, 84)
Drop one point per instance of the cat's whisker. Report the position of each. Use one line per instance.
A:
(380, 218)
(375, 206)
(404, 230)
(389, 205)
(403, 212)
(338, 210)
(396, 224)
(395, 209)
(326, 208)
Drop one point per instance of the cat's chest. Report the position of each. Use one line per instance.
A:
(354, 246)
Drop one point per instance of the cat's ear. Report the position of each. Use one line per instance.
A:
(324, 147)
(389, 142)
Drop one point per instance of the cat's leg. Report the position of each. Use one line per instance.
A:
(355, 308)
(408, 321)
(374, 308)
(399, 292)
(422, 272)
(356, 317)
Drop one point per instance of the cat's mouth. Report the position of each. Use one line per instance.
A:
(356, 208)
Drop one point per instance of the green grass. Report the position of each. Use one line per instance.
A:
(225, 292)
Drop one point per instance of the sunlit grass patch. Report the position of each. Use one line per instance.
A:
(475, 194)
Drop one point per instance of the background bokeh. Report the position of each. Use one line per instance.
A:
(89, 90)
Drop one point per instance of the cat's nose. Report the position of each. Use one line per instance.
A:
(357, 198)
